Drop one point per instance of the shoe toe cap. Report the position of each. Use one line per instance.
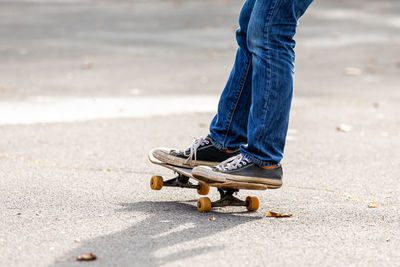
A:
(207, 174)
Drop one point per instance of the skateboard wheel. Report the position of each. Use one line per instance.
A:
(252, 203)
(203, 189)
(156, 182)
(204, 204)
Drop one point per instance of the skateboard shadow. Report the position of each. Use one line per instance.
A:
(159, 237)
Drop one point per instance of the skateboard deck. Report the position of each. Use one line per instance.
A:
(204, 204)
(188, 173)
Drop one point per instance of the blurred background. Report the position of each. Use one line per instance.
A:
(88, 87)
(107, 49)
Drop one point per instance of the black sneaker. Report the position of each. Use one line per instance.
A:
(201, 152)
(240, 169)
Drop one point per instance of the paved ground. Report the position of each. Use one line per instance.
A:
(70, 188)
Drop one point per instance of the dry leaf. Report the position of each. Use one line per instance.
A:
(352, 71)
(376, 104)
(372, 205)
(278, 215)
(86, 257)
(212, 219)
(87, 63)
(343, 128)
(212, 54)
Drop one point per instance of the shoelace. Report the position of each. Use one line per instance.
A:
(197, 142)
(233, 163)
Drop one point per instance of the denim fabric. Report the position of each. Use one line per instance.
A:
(253, 111)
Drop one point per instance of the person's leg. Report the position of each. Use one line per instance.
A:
(228, 129)
(270, 40)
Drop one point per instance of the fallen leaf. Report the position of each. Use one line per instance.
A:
(23, 51)
(212, 54)
(372, 205)
(343, 128)
(376, 104)
(370, 69)
(87, 63)
(86, 257)
(212, 219)
(188, 24)
(278, 215)
(353, 71)
(372, 60)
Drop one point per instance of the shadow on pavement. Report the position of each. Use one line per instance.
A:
(151, 241)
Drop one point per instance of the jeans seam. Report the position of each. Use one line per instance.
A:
(267, 24)
(243, 82)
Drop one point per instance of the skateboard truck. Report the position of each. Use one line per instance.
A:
(157, 182)
(180, 181)
(227, 198)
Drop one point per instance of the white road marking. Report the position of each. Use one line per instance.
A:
(67, 109)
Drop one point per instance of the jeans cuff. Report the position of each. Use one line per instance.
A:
(216, 144)
(257, 161)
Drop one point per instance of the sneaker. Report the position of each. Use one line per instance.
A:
(201, 152)
(240, 169)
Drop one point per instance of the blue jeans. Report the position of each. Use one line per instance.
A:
(253, 111)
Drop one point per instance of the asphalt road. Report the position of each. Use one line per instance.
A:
(71, 185)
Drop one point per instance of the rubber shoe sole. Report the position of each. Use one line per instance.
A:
(207, 175)
(164, 156)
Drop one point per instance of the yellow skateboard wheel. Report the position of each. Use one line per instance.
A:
(204, 204)
(203, 189)
(252, 203)
(156, 182)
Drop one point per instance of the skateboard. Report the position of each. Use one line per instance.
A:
(204, 204)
